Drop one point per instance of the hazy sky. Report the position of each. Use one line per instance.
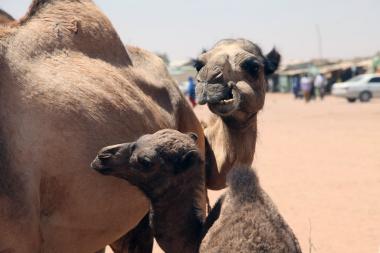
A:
(182, 27)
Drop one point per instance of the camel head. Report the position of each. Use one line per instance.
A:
(154, 162)
(232, 77)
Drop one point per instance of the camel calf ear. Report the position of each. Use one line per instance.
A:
(272, 61)
(187, 161)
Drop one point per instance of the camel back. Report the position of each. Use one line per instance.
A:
(5, 17)
(76, 25)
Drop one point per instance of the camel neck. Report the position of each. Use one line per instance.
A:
(241, 124)
(242, 136)
(177, 219)
(240, 144)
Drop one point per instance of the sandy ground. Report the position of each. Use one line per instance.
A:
(320, 163)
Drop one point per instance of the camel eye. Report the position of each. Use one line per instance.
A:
(251, 67)
(133, 147)
(198, 65)
(145, 162)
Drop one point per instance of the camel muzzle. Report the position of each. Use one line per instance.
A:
(212, 93)
(111, 157)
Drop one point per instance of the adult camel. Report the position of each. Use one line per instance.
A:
(68, 87)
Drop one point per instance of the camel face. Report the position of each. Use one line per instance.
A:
(154, 160)
(229, 64)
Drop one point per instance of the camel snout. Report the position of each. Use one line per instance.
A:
(201, 93)
(107, 158)
(108, 152)
(212, 93)
(104, 156)
(110, 157)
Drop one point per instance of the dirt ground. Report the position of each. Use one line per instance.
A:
(320, 163)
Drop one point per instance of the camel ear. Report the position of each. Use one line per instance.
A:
(193, 136)
(197, 64)
(187, 161)
(272, 61)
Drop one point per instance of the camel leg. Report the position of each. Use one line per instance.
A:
(138, 240)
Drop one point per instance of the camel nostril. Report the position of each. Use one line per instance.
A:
(218, 78)
(104, 156)
(109, 151)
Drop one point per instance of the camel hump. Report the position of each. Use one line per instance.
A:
(243, 184)
(76, 25)
(36, 5)
(5, 16)
(33, 8)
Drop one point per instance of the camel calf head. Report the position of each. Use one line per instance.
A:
(232, 77)
(154, 163)
(166, 166)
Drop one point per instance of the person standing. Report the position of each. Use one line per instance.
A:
(306, 87)
(296, 87)
(319, 84)
(191, 91)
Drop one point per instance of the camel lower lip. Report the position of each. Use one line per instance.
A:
(224, 106)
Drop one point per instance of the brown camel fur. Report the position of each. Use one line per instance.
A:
(232, 81)
(248, 221)
(68, 86)
(167, 167)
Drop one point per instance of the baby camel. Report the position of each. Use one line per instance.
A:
(166, 166)
(247, 220)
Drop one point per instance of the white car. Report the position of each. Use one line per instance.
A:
(363, 87)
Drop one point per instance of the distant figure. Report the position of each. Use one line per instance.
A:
(312, 89)
(191, 91)
(306, 86)
(270, 86)
(319, 84)
(296, 87)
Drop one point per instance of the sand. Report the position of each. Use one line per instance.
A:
(320, 163)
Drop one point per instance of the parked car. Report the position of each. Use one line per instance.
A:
(362, 87)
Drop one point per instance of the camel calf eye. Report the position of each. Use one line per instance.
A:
(145, 161)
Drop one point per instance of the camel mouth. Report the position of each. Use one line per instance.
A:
(99, 167)
(228, 105)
